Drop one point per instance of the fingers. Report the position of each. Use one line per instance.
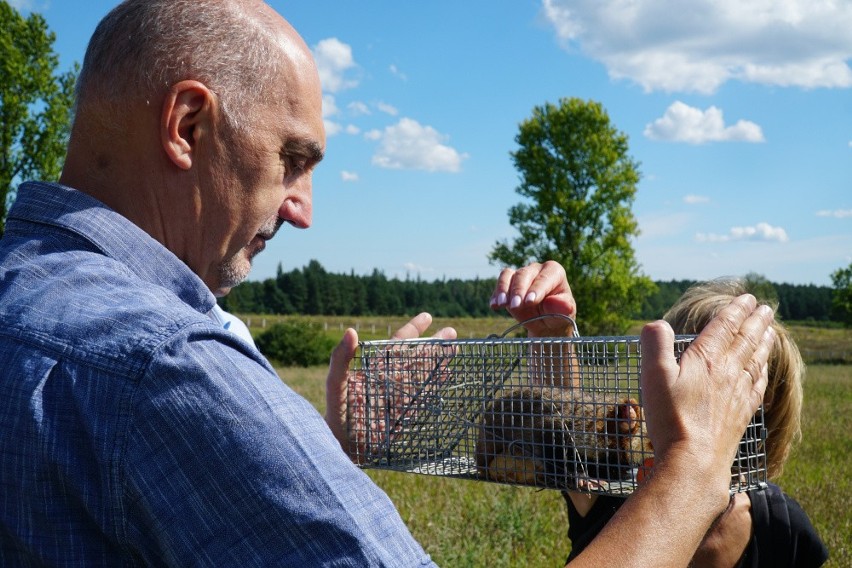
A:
(740, 337)
(750, 341)
(418, 325)
(536, 290)
(415, 327)
(758, 367)
(530, 284)
(722, 334)
(445, 333)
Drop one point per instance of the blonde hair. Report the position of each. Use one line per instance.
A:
(783, 398)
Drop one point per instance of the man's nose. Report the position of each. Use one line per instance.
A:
(297, 208)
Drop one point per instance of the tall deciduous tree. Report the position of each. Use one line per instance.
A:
(35, 103)
(841, 299)
(579, 183)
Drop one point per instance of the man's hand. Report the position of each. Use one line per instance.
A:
(698, 410)
(337, 383)
(535, 290)
(696, 413)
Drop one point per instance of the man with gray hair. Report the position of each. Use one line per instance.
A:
(135, 430)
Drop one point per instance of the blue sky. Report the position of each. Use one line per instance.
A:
(740, 114)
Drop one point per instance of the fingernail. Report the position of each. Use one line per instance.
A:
(530, 298)
(493, 301)
(501, 299)
(516, 301)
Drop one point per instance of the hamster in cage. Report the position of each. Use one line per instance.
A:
(560, 413)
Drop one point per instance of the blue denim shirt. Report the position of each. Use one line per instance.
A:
(136, 431)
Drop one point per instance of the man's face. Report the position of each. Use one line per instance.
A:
(262, 179)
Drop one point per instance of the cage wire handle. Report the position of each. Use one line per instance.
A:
(536, 318)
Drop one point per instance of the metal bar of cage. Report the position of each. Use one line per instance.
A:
(556, 413)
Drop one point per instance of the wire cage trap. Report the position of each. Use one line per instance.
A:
(560, 413)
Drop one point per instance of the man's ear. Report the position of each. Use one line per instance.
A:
(187, 110)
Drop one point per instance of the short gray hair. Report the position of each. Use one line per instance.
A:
(143, 47)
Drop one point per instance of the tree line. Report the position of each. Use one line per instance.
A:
(312, 290)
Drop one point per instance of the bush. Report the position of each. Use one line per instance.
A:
(295, 343)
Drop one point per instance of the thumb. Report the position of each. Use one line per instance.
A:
(657, 341)
(658, 367)
(336, 384)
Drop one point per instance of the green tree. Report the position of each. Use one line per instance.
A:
(579, 183)
(35, 103)
(761, 288)
(841, 298)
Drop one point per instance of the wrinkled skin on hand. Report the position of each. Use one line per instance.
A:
(345, 388)
(402, 384)
(701, 406)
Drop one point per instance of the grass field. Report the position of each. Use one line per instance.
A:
(468, 523)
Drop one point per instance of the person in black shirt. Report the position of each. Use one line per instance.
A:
(761, 528)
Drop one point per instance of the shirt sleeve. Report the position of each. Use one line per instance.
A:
(225, 465)
(783, 533)
(809, 548)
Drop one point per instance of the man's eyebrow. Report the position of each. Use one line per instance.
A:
(307, 148)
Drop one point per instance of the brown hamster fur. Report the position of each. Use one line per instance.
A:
(556, 437)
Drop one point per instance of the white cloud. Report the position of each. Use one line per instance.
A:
(683, 123)
(358, 108)
(332, 128)
(695, 199)
(373, 134)
(352, 129)
(396, 72)
(25, 6)
(329, 109)
(348, 176)
(334, 59)
(759, 232)
(387, 109)
(329, 106)
(663, 225)
(837, 213)
(409, 145)
(418, 268)
(697, 46)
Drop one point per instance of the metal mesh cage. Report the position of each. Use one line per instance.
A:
(559, 413)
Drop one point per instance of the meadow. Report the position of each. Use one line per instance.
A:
(468, 523)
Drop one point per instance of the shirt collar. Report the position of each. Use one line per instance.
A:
(114, 235)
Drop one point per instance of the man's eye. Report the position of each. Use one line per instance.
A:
(294, 165)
